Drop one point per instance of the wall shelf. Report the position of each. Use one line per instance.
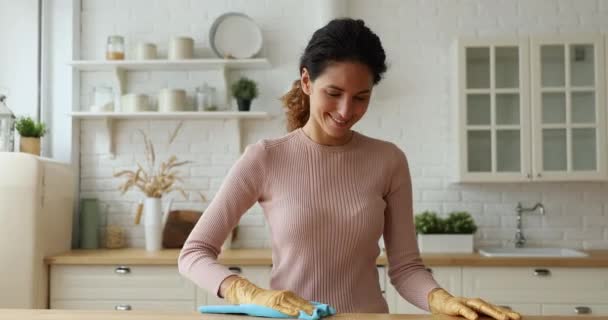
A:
(170, 65)
(109, 119)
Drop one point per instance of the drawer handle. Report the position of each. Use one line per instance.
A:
(236, 270)
(123, 307)
(122, 270)
(429, 270)
(582, 310)
(542, 272)
(506, 307)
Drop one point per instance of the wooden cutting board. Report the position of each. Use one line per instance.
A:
(179, 225)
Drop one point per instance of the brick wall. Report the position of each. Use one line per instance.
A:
(411, 107)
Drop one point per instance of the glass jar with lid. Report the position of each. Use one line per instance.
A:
(205, 98)
(115, 48)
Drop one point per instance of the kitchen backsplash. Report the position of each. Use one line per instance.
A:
(412, 107)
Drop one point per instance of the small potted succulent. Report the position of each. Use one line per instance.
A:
(244, 91)
(30, 132)
(453, 234)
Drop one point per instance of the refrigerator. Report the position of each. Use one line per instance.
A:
(36, 209)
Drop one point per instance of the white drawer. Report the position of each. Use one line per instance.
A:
(571, 309)
(78, 282)
(537, 285)
(181, 306)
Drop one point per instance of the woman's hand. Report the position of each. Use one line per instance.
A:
(241, 291)
(441, 302)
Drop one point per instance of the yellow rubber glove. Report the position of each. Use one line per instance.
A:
(241, 291)
(441, 302)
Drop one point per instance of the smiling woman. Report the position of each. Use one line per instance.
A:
(328, 193)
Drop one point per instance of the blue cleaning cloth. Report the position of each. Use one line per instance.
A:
(321, 310)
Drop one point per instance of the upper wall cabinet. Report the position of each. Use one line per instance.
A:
(494, 112)
(531, 110)
(569, 108)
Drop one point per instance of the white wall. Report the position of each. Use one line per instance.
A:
(19, 55)
(411, 107)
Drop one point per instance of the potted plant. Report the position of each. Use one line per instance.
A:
(453, 234)
(244, 90)
(30, 132)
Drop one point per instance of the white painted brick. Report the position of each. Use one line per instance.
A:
(419, 207)
(542, 234)
(562, 221)
(481, 196)
(573, 244)
(427, 183)
(527, 221)
(595, 221)
(521, 196)
(578, 6)
(591, 233)
(436, 195)
(472, 208)
(583, 209)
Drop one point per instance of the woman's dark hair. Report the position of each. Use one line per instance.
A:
(339, 41)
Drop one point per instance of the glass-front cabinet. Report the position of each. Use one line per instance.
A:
(531, 109)
(494, 109)
(569, 108)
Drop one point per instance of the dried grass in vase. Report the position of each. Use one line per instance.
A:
(152, 181)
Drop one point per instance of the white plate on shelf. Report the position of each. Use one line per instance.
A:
(235, 35)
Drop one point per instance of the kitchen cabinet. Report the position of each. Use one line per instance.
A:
(531, 109)
(569, 108)
(549, 291)
(122, 287)
(449, 278)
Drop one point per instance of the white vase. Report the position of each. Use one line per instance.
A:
(445, 243)
(153, 226)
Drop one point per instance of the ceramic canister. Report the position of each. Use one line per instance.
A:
(181, 48)
(134, 102)
(145, 51)
(170, 100)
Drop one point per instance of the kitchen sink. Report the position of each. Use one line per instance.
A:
(531, 252)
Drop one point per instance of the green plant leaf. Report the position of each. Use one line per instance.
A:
(245, 89)
(27, 127)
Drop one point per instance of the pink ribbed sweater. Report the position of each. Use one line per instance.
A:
(326, 207)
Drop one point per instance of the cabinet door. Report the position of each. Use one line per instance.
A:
(568, 104)
(448, 277)
(260, 275)
(493, 112)
(506, 285)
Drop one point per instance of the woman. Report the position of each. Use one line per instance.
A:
(328, 194)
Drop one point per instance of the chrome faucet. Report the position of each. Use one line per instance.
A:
(520, 239)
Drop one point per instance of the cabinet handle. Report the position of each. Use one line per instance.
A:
(123, 307)
(236, 269)
(429, 270)
(542, 272)
(582, 310)
(122, 270)
(506, 307)
(538, 175)
(529, 175)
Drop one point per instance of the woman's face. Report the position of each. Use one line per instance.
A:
(338, 99)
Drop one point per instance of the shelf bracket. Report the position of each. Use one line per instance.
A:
(120, 86)
(109, 124)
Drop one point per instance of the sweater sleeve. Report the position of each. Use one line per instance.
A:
(407, 273)
(240, 190)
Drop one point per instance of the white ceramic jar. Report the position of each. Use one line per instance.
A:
(145, 51)
(181, 48)
(134, 102)
(171, 100)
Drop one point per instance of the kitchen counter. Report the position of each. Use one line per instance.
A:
(135, 256)
(40, 314)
